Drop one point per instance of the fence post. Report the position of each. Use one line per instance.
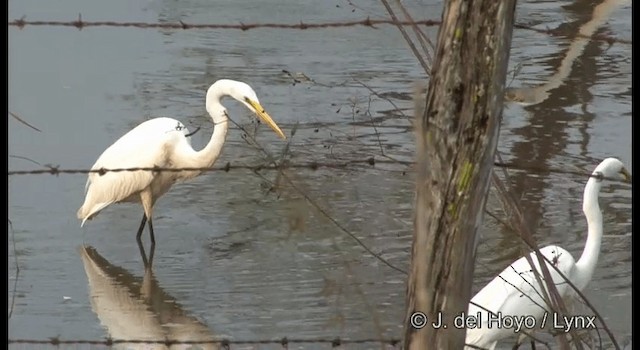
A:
(457, 131)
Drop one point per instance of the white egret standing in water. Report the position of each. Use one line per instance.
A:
(512, 293)
(163, 143)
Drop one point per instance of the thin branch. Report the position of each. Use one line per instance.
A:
(24, 122)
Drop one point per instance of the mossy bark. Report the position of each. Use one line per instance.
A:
(457, 129)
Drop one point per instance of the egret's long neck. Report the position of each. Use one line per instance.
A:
(207, 156)
(587, 262)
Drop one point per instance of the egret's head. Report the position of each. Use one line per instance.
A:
(612, 168)
(245, 94)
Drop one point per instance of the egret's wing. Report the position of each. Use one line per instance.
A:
(111, 186)
(515, 292)
(148, 145)
(518, 281)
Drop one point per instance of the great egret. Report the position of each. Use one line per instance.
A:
(512, 296)
(164, 143)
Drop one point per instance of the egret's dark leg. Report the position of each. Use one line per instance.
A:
(153, 238)
(533, 345)
(148, 263)
(142, 253)
(144, 221)
(151, 252)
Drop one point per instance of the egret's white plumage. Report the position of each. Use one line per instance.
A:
(163, 143)
(512, 292)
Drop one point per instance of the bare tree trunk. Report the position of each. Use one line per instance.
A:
(457, 133)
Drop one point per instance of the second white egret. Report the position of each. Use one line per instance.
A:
(512, 294)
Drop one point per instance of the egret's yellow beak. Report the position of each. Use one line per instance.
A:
(626, 175)
(264, 116)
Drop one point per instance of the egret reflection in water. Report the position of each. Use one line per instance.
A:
(137, 308)
(533, 95)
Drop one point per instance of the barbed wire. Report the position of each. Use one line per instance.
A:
(80, 24)
(334, 342)
(369, 162)
(54, 170)
(367, 22)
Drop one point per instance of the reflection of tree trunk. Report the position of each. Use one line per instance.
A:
(456, 140)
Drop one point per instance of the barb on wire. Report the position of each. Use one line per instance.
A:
(181, 25)
(334, 342)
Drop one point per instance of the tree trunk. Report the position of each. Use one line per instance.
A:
(457, 132)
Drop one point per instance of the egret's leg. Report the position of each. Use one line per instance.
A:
(533, 345)
(148, 263)
(142, 223)
(143, 254)
(151, 252)
(153, 238)
(146, 199)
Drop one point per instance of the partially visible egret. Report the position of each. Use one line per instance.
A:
(512, 293)
(164, 143)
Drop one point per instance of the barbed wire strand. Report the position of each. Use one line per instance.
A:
(371, 161)
(367, 22)
(334, 342)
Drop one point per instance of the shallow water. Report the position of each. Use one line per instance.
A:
(247, 263)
